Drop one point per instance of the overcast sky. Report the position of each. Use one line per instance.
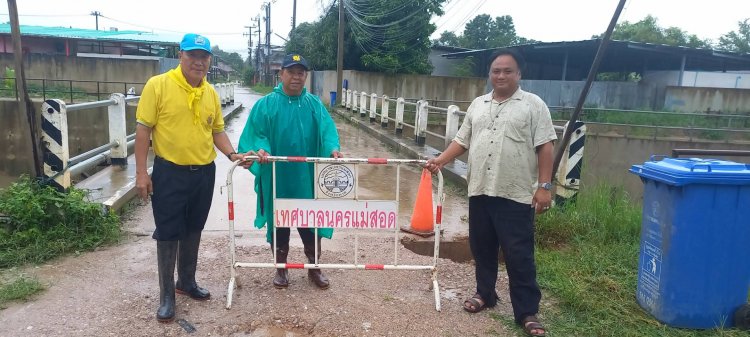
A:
(224, 21)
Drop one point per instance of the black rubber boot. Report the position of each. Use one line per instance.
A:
(166, 252)
(187, 262)
(281, 279)
(315, 275)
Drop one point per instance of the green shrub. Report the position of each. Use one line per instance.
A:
(40, 223)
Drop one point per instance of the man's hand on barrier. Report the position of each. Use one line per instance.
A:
(263, 156)
(433, 165)
(337, 154)
(241, 157)
(143, 185)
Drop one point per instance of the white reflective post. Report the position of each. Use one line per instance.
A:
(117, 132)
(354, 102)
(384, 112)
(373, 106)
(420, 122)
(451, 124)
(363, 105)
(399, 116)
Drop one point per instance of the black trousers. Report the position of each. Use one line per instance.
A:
(182, 198)
(494, 223)
(306, 234)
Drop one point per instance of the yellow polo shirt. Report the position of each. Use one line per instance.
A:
(163, 107)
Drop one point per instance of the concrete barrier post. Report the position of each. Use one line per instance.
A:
(373, 106)
(399, 116)
(343, 100)
(420, 122)
(362, 105)
(348, 99)
(451, 124)
(384, 112)
(117, 130)
(55, 150)
(355, 99)
(232, 86)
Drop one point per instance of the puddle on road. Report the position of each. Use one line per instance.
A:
(456, 251)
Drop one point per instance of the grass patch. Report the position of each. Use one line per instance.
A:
(587, 256)
(39, 223)
(19, 289)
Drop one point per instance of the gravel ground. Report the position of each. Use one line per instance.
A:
(114, 292)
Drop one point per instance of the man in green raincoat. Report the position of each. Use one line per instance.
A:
(289, 122)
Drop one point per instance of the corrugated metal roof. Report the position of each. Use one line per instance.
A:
(92, 34)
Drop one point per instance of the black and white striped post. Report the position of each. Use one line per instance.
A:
(569, 173)
(55, 143)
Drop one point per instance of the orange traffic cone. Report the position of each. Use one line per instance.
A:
(422, 221)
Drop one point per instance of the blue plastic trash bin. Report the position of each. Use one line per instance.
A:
(693, 270)
(333, 99)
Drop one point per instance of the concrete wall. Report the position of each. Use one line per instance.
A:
(88, 129)
(60, 67)
(608, 158)
(705, 79)
(727, 101)
(621, 95)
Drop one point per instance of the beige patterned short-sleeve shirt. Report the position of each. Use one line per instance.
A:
(502, 138)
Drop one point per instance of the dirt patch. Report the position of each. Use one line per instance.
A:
(114, 292)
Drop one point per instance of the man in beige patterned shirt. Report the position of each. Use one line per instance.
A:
(509, 135)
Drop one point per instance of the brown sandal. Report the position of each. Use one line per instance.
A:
(531, 324)
(475, 304)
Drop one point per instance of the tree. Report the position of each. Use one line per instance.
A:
(448, 39)
(738, 41)
(483, 32)
(389, 36)
(648, 31)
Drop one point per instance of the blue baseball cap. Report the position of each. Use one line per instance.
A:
(292, 59)
(194, 41)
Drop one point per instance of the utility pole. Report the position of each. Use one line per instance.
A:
(340, 53)
(267, 65)
(24, 103)
(97, 14)
(257, 51)
(249, 35)
(294, 14)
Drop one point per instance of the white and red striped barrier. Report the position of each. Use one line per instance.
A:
(336, 205)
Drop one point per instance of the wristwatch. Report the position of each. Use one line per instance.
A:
(546, 186)
(229, 155)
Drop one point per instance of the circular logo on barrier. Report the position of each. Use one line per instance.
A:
(336, 181)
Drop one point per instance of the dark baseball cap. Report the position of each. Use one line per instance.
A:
(292, 59)
(194, 41)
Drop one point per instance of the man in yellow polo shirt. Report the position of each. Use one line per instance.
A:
(181, 114)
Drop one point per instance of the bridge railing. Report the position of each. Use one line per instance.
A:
(59, 166)
(357, 102)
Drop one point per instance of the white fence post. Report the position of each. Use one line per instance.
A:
(399, 116)
(349, 99)
(373, 106)
(420, 122)
(117, 130)
(342, 100)
(384, 112)
(231, 92)
(363, 105)
(55, 150)
(354, 102)
(451, 124)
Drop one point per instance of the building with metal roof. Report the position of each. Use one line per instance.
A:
(72, 41)
(571, 60)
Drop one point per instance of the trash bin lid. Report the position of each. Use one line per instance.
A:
(683, 171)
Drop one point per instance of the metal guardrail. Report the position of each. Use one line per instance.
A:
(71, 90)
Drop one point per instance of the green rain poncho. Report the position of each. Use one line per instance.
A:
(287, 126)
